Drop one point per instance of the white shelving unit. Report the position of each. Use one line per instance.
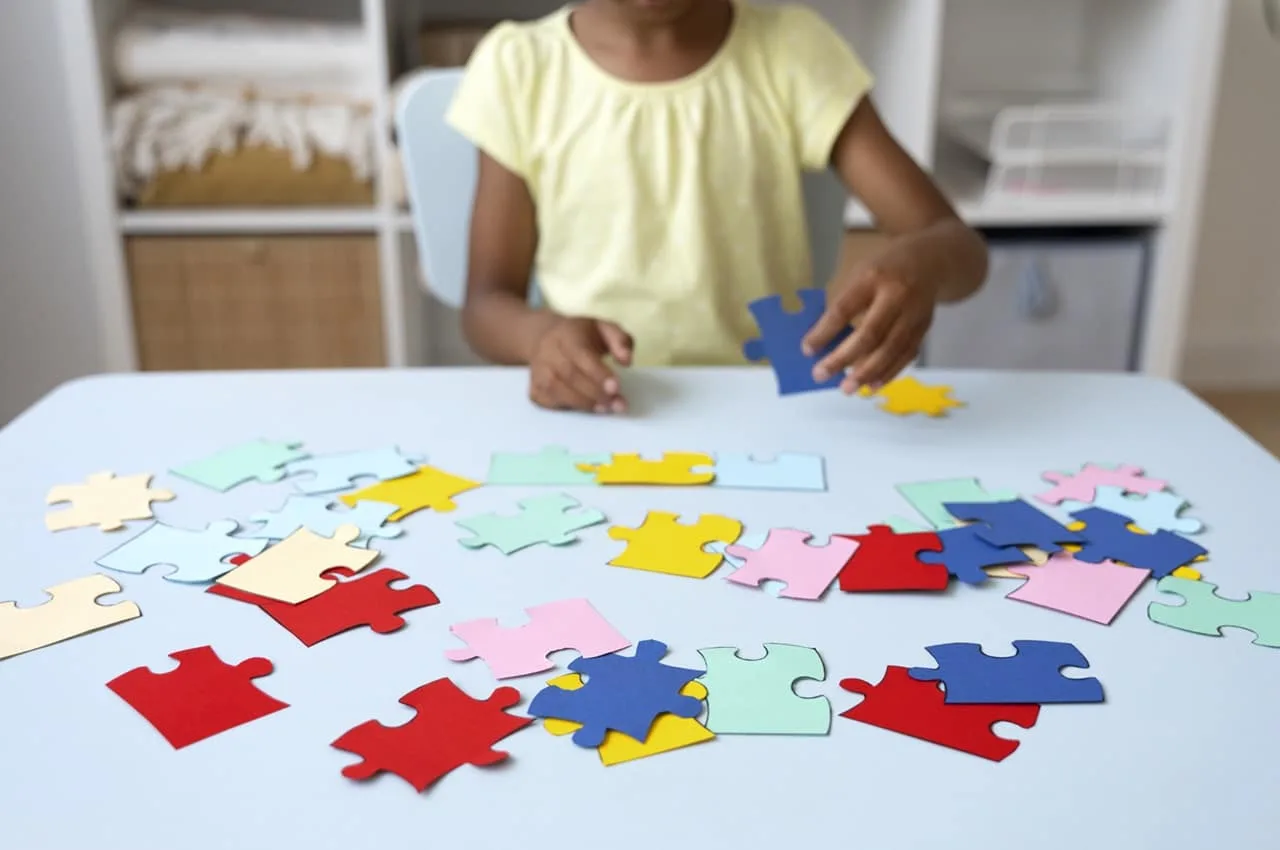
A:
(1159, 54)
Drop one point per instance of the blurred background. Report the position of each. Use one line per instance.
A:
(216, 184)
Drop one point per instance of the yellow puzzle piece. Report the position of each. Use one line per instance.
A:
(427, 488)
(907, 395)
(663, 545)
(675, 468)
(103, 500)
(290, 571)
(669, 731)
(73, 611)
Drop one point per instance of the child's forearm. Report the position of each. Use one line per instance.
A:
(952, 255)
(502, 328)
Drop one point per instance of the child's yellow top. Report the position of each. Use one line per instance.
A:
(666, 207)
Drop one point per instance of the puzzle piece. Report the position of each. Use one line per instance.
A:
(781, 334)
(71, 611)
(1014, 523)
(197, 556)
(907, 395)
(104, 500)
(1035, 557)
(1107, 537)
(322, 516)
(428, 487)
(675, 469)
(1031, 675)
(519, 651)
(623, 693)
(257, 460)
(450, 729)
(888, 561)
(1153, 512)
(203, 697)
(663, 545)
(1204, 612)
(553, 465)
(542, 519)
(918, 709)
(336, 472)
(786, 556)
(1094, 592)
(292, 570)
(930, 498)
(1082, 486)
(756, 696)
(669, 731)
(367, 601)
(967, 556)
(786, 471)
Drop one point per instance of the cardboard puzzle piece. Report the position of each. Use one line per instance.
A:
(1082, 486)
(662, 544)
(622, 693)
(1160, 511)
(522, 650)
(1108, 537)
(967, 556)
(428, 487)
(930, 498)
(788, 557)
(196, 556)
(781, 335)
(336, 472)
(103, 500)
(203, 697)
(748, 540)
(902, 525)
(71, 611)
(907, 396)
(918, 709)
(1014, 523)
(292, 570)
(785, 471)
(369, 600)
(1035, 557)
(669, 731)
(542, 519)
(1204, 612)
(1094, 592)
(756, 696)
(1033, 674)
(256, 460)
(675, 469)
(324, 516)
(450, 729)
(886, 561)
(553, 466)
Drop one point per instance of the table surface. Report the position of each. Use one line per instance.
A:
(1184, 753)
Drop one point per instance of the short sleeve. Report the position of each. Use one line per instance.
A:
(489, 106)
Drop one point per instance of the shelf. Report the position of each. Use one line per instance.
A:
(250, 221)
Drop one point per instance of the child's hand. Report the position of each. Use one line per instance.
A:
(567, 370)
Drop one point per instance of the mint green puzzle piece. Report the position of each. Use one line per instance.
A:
(1205, 612)
(544, 519)
(928, 497)
(261, 460)
(748, 696)
(553, 466)
(902, 525)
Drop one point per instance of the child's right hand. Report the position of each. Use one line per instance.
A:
(567, 369)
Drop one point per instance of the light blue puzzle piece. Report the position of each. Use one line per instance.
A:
(336, 472)
(198, 556)
(1153, 512)
(543, 519)
(786, 471)
(321, 515)
(930, 497)
(553, 466)
(261, 460)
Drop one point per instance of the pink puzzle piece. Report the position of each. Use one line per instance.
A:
(523, 650)
(1081, 487)
(1094, 592)
(786, 556)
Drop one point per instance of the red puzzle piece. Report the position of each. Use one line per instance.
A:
(450, 730)
(900, 704)
(367, 601)
(885, 560)
(201, 698)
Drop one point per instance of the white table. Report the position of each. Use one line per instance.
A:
(1184, 754)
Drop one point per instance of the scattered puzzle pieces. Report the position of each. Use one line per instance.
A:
(1159, 511)
(1082, 486)
(1204, 612)
(522, 650)
(543, 519)
(71, 611)
(1033, 674)
(1094, 592)
(197, 556)
(337, 472)
(888, 561)
(967, 556)
(555, 466)
(786, 556)
(104, 500)
(781, 334)
(679, 469)
(907, 396)
(428, 487)
(1014, 523)
(292, 570)
(756, 696)
(1108, 537)
(930, 498)
(257, 460)
(323, 516)
(662, 544)
(786, 471)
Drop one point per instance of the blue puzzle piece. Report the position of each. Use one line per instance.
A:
(336, 472)
(786, 471)
(780, 336)
(1106, 537)
(965, 554)
(323, 516)
(1014, 523)
(622, 693)
(1032, 675)
(197, 556)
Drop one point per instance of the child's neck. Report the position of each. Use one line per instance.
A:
(646, 51)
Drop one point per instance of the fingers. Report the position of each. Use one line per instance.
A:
(887, 363)
(618, 342)
(868, 337)
(588, 375)
(839, 315)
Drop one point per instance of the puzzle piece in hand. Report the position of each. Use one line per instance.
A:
(888, 561)
(786, 471)
(1082, 486)
(197, 556)
(72, 611)
(1153, 512)
(1204, 612)
(931, 497)
(907, 706)
(522, 650)
(1033, 674)
(967, 556)
(292, 570)
(623, 693)
(103, 500)
(906, 396)
(450, 729)
(542, 519)
(201, 698)
(323, 516)
(786, 556)
(756, 696)
(428, 487)
(554, 466)
(781, 334)
(1108, 537)
(669, 731)
(257, 460)
(366, 601)
(1094, 592)
(675, 469)
(1014, 523)
(662, 544)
